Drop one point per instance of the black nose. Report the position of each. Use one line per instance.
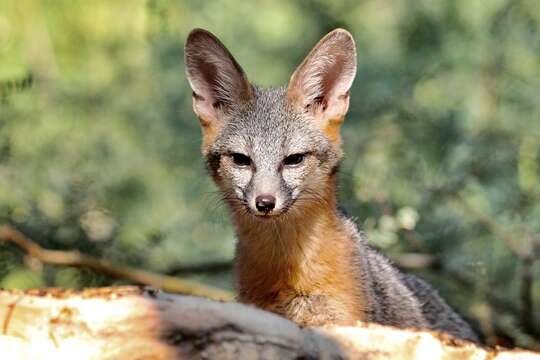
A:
(265, 203)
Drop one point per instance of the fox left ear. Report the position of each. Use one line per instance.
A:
(218, 82)
(320, 85)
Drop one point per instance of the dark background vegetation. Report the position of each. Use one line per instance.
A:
(99, 148)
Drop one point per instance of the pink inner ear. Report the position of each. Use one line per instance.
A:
(324, 88)
(322, 82)
(208, 72)
(216, 79)
(331, 78)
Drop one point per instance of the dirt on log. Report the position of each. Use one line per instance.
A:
(134, 323)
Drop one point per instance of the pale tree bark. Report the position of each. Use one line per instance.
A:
(131, 323)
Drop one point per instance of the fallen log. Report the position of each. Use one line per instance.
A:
(135, 323)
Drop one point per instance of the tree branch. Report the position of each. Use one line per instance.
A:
(409, 261)
(76, 259)
(209, 267)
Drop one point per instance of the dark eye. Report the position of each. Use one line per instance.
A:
(241, 159)
(293, 159)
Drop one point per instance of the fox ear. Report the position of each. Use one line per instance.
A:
(217, 81)
(320, 85)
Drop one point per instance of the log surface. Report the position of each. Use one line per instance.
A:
(134, 323)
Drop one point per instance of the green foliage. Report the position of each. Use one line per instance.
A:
(99, 149)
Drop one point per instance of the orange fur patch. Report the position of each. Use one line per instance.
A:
(332, 129)
(209, 132)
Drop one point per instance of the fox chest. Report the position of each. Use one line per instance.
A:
(314, 309)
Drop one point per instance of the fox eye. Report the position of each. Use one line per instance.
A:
(293, 159)
(241, 159)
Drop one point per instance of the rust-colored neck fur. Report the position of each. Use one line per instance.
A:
(308, 260)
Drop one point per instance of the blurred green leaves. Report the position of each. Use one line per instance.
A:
(22, 279)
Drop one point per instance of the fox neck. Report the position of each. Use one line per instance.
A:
(311, 252)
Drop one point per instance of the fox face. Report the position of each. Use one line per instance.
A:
(271, 151)
(267, 157)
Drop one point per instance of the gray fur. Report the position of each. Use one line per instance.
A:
(400, 299)
(267, 128)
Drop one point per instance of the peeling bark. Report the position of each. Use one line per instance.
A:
(132, 323)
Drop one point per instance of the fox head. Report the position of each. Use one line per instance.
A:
(271, 151)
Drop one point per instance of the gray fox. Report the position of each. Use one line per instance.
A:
(274, 154)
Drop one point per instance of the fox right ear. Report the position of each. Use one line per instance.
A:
(320, 85)
(216, 79)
